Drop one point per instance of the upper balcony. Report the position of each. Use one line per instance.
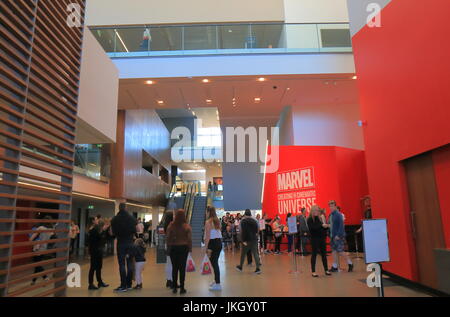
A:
(223, 39)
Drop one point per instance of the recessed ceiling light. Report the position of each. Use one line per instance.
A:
(160, 102)
(149, 82)
(205, 80)
(208, 100)
(257, 99)
(288, 88)
(355, 77)
(261, 79)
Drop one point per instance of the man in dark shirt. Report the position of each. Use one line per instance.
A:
(123, 227)
(249, 238)
(303, 232)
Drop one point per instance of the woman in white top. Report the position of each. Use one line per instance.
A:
(213, 242)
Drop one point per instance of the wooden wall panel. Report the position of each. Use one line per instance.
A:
(141, 130)
(40, 58)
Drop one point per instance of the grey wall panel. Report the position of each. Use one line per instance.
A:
(357, 11)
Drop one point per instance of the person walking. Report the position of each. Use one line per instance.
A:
(123, 227)
(318, 232)
(96, 243)
(249, 238)
(213, 242)
(43, 233)
(337, 236)
(179, 241)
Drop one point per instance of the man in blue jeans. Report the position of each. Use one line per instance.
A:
(123, 227)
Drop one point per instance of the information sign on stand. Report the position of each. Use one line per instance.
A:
(376, 247)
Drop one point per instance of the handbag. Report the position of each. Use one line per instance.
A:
(190, 265)
(206, 266)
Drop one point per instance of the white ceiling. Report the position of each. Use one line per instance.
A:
(275, 93)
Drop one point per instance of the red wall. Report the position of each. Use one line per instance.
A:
(339, 174)
(402, 70)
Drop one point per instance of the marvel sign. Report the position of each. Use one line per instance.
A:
(296, 190)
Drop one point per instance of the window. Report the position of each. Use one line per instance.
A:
(209, 137)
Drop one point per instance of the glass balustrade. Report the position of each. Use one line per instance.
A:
(206, 39)
(93, 160)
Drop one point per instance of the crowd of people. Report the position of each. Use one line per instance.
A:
(252, 236)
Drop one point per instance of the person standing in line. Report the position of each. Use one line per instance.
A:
(139, 228)
(96, 243)
(123, 227)
(290, 237)
(179, 240)
(303, 231)
(337, 236)
(74, 231)
(167, 220)
(268, 237)
(213, 242)
(249, 237)
(278, 233)
(318, 232)
(261, 227)
(139, 248)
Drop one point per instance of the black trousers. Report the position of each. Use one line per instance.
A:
(38, 269)
(264, 239)
(318, 245)
(178, 256)
(278, 243)
(215, 245)
(125, 264)
(72, 245)
(96, 266)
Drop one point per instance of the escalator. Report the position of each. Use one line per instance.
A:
(195, 206)
(198, 219)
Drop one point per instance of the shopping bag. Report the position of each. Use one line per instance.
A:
(190, 265)
(206, 266)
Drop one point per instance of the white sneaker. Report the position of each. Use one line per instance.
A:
(212, 284)
(215, 287)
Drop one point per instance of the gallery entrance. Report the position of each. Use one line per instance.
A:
(425, 213)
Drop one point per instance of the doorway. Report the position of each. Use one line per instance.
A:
(426, 222)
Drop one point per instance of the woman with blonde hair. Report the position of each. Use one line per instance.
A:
(318, 231)
(213, 242)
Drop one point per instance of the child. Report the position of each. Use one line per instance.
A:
(227, 239)
(139, 257)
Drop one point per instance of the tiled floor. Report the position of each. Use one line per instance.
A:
(275, 280)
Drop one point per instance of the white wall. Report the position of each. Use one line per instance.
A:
(99, 93)
(328, 125)
(310, 11)
(236, 65)
(120, 12)
(315, 11)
